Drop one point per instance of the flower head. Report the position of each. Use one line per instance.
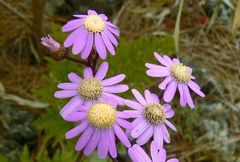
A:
(177, 76)
(50, 43)
(99, 124)
(150, 118)
(90, 89)
(137, 154)
(91, 30)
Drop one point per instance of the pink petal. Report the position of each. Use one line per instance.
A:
(77, 130)
(102, 71)
(139, 97)
(134, 105)
(161, 60)
(116, 88)
(113, 80)
(168, 123)
(87, 73)
(165, 82)
(74, 78)
(108, 43)
(100, 46)
(73, 24)
(88, 47)
(170, 91)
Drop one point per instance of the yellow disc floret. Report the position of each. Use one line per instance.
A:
(94, 23)
(180, 73)
(102, 115)
(155, 113)
(90, 89)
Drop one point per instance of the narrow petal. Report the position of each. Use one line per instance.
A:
(73, 24)
(125, 124)
(133, 113)
(153, 66)
(102, 71)
(76, 116)
(108, 43)
(103, 145)
(169, 114)
(88, 47)
(139, 129)
(85, 137)
(72, 37)
(79, 15)
(166, 135)
(116, 88)
(167, 59)
(162, 154)
(158, 136)
(154, 152)
(188, 96)
(111, 37)
(111, 24)
(183, 100)
(121, 135)
(145, 136)
(137, 121)
(112, 143)
(196, 89)
(133, 154)
(71, 106)
(112, 96)
(168, 123)
(91, 12)
(74, 78)
(163, 72)
(170, 91)
(139, 97)
(80, 42)
(176, 61)
(103, 16)
(112, 30)
(148, 96)
(165, 82)
(100, 46)
(87, 73)
(155, 98)
(161, 60)
(134, 105)
(123, 115)
(143, 154)
(68, 86)
(77, 130)
(65, 93)
(113, 80)
(93, 142)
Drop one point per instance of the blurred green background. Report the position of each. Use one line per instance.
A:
(31, 129)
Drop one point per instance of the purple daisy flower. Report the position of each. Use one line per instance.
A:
(91, 30)
(90, 89)
(150, 118)
(137, 154)
(177, 76)
(99, 125)
(50, 43)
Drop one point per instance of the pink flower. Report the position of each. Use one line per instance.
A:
(137, 154)
(50, 43)
(89, 31)
(90, 89)
(177, 76)
(150, 118)
(99, 124)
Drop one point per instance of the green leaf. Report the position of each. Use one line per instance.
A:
(25, 156)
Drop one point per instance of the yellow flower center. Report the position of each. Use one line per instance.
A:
(94, 23)
(180, 73)
(90, 89)
(155, 113)
(102, 115)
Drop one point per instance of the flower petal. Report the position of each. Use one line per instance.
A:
(113, 80)
(134, 105)
(100, 46)
(160, 59)
(87, 73)
(165, 82)
(74, 78)
(139, 129)
(139, 97)
(168, 123)
(93, 142)
(80, 42)
(108, 43)
(71, 25)
(88, 47)
(102, 71)
(145, 136)
(116, 88)
(170, 91)
(77, 130)
(121, 135)
(65, 93)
